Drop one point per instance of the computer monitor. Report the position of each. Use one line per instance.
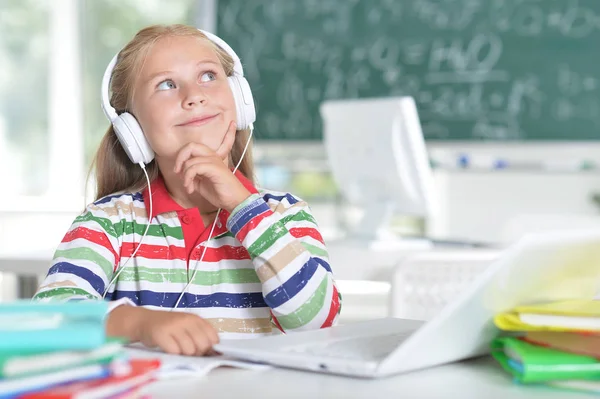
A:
(378, 159)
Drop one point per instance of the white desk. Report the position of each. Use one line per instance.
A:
(33, 263)
(353, 259)
(28, 267)
(32, 258)
(492, 206)
(479, 378)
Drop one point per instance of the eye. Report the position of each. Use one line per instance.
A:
(166, 85)
(208, 76)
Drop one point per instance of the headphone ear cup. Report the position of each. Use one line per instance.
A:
(132, 139)
(244, 102)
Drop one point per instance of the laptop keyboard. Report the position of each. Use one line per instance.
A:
(361, 348)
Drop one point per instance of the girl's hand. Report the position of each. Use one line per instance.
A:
(177, 333)
(173, 332)
(206, 172)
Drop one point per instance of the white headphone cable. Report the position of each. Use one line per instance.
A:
(133, 233)
(213, 225)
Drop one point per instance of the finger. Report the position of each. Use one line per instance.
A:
(197, 160)
(168, 344)
(228, 140)
(210, 331)
(201, 341)
(189, 178)
(183, 155)
(191, 150)
(198, 170)
(212, 353)
(186, 343)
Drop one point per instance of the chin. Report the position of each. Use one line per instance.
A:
(211, 142)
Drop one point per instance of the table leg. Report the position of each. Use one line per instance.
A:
(26, 286)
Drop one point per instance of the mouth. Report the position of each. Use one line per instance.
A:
(199, 121)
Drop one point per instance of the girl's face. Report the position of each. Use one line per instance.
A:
(181, 95)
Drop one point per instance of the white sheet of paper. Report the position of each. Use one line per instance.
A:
(174, 366)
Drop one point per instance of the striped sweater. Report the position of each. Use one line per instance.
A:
(265, 264)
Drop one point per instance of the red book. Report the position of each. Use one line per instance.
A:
(581, 343)
(141, 371)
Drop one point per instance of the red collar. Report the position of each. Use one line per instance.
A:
(162, 202)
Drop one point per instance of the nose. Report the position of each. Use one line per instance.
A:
(194, 96)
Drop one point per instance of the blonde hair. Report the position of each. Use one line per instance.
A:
(113, 170)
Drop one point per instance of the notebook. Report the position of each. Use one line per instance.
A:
(14, 364)
(564, 315)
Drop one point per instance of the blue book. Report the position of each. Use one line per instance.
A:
(14, 388)
(30, 327)
(88, 310)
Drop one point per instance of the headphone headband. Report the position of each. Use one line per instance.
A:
(108, 109)
(237, 64)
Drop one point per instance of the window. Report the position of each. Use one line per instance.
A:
(53, 55)
(24, 96)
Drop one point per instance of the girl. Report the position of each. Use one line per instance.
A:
(193, 234)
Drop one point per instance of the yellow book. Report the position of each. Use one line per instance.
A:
(568, 315)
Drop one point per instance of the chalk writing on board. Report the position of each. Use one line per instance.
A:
(478, 69)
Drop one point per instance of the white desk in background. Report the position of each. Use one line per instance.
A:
(27, 266)
(353, 259)
(371, 282)
(32, 263)
(488, 205)
(31, 258)
(477, 378)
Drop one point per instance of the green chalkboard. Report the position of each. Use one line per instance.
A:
(478, 69)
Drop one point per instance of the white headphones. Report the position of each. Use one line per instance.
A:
(128, 130)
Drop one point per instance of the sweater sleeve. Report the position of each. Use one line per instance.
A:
(290, 259)
(84, 261)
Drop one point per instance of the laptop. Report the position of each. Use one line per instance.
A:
(540, 267)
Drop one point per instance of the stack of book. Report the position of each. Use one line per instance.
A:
(555, 343)
(59, 350)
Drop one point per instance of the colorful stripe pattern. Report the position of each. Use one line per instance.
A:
(265, 265)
